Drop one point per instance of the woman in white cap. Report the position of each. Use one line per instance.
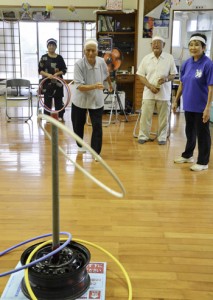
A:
(52, 64)
(196, 87)
(90, 72)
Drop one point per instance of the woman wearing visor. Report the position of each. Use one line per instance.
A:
(196, 88)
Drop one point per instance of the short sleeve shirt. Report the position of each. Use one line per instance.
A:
(86, 74)
(196, 76)
(154, 68)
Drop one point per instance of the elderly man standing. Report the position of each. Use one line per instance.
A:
(90, 72)
(155, 71)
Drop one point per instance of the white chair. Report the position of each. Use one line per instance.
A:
(18, 90)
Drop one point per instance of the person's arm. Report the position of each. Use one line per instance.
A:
(62, 68)
(58, 73)
(150, 86)
(168, 78)
(207, 110)
(45, 74)
(90, 87)
(177, 97)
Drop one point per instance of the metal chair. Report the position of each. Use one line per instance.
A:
(18, 90)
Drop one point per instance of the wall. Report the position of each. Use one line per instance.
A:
(144, 43)
(92, 3)
(60, 11)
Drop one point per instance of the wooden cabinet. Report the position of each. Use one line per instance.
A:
(121, 28)
(139, 87)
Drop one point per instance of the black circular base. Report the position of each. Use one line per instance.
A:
(60, 277)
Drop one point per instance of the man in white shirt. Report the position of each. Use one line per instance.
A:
(155, 71)
(90, 72)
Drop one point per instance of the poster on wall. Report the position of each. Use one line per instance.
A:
(148, 23)
(161, 28)
(158, 26)
(165, 14)
(114, 4)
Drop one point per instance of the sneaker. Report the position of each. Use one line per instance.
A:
(161, 142)
(142, 141)
(181, 160)
(197, 167)
(82, 149)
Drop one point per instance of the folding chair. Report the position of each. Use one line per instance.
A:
(18, 90)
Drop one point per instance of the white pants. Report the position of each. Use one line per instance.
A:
(163, 110)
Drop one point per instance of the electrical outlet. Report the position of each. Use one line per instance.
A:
(199, 6)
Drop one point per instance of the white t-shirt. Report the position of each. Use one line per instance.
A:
(154, 68)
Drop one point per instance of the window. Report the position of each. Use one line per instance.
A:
(9, 50)
(72, 37)
(176, 34)
(23, 43)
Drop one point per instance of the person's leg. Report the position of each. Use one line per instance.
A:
(191, 132)
(146, 119)
(78, 117)
(47, 103)
(204, 140)
(97, 133)
(59, 105)
(163, 109)
(58, 99)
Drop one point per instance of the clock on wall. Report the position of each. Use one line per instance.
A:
(114, 4)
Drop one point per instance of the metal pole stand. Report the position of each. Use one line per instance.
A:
(63, 275)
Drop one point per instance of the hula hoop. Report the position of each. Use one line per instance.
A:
(94, 154)
(68, 94)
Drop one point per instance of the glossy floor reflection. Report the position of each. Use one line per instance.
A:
(161, 231)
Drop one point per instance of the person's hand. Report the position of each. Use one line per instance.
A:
(99, 86)
(174, 106)
(154, 89)
(110, 88)
(50, 76)
(206, 115)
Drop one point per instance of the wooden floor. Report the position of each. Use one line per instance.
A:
(162, 231)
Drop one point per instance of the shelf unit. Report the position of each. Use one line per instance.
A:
(122, 28)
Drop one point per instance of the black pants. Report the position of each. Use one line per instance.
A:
(195, 128)
(58, 100)
(78, 117)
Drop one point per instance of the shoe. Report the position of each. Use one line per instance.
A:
(142, 141)
(61, 119)
(161, 142)
(181, 160)
(197, 167)
(82, 149)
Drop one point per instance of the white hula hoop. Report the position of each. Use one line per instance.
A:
(94, 154)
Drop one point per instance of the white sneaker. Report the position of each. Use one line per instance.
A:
(197, 167)
(82, 149)
(181, 160)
